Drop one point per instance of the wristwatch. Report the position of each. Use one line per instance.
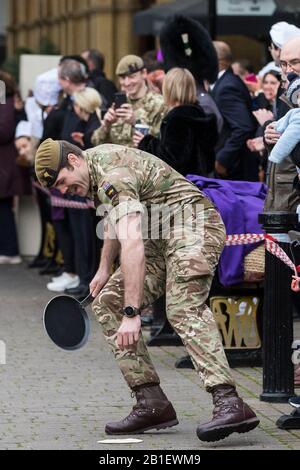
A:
(131, 311)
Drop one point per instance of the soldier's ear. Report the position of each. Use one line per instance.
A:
(73, 160)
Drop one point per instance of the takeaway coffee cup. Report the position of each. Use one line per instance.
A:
(143, 128)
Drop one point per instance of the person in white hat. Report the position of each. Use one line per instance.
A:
(280, 33)
(47, 88)
(45, 95)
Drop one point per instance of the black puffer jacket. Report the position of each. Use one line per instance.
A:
(187, 140)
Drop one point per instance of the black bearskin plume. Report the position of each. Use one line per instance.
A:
(186, 43)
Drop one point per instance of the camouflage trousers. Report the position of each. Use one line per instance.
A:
(183, 269)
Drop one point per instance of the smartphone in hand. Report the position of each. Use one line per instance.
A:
(119, 99)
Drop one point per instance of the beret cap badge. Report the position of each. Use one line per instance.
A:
(49, 176)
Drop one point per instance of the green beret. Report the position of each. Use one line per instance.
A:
(129, 64)
(48, 161)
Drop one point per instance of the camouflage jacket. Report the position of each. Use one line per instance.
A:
(148, 110)
(128, 180)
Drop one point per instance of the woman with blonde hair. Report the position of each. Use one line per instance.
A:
(87, 106)
(179, 87)
(187, 134)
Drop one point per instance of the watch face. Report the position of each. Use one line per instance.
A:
(129, 311)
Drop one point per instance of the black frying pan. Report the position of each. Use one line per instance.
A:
(66, 322)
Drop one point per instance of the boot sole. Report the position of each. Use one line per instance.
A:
(168, 424)
(220, 432)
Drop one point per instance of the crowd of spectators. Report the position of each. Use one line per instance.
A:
(216, 121)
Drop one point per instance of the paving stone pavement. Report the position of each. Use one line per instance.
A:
(52, 399)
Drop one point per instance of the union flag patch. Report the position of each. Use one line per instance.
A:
(109, 190)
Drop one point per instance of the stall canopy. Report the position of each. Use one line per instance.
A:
(248, 17)
(152, 20)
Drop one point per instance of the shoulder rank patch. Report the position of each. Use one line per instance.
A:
(109, 190)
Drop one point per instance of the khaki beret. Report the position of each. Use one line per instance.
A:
(48, 160)
(129, 64)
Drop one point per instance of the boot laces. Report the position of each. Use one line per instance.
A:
(139, 409)
(223, 407)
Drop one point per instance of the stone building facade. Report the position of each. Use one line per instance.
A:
(73, 25)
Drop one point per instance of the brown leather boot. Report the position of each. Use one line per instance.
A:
(152, 411)
(230, 415)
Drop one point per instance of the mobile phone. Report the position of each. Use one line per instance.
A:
(119, 99)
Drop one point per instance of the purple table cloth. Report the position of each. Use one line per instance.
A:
(239, 203)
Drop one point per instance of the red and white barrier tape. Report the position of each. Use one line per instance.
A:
(270, 245)
(244, 239)
(231, 240)
(67, 204)
(276, 250)
(64, 203)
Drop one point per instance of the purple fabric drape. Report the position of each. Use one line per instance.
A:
(239, 203)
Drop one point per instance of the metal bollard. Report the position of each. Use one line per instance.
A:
(278, 369)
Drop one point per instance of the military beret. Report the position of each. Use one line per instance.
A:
(129, 64)
(48, 161)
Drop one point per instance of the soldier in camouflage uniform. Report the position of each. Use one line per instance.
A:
(143, 106)
(179, 259)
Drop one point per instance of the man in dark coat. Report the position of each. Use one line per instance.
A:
(233, 159)
(106, 88)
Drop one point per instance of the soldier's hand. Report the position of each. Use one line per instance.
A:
(125, 112)
(271, 135)
(129, 332)
(110, 117)
(98, 282)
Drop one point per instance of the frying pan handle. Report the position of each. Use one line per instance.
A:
(87, 301)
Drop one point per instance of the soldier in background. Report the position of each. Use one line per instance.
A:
(181, 262)
(143, 106)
